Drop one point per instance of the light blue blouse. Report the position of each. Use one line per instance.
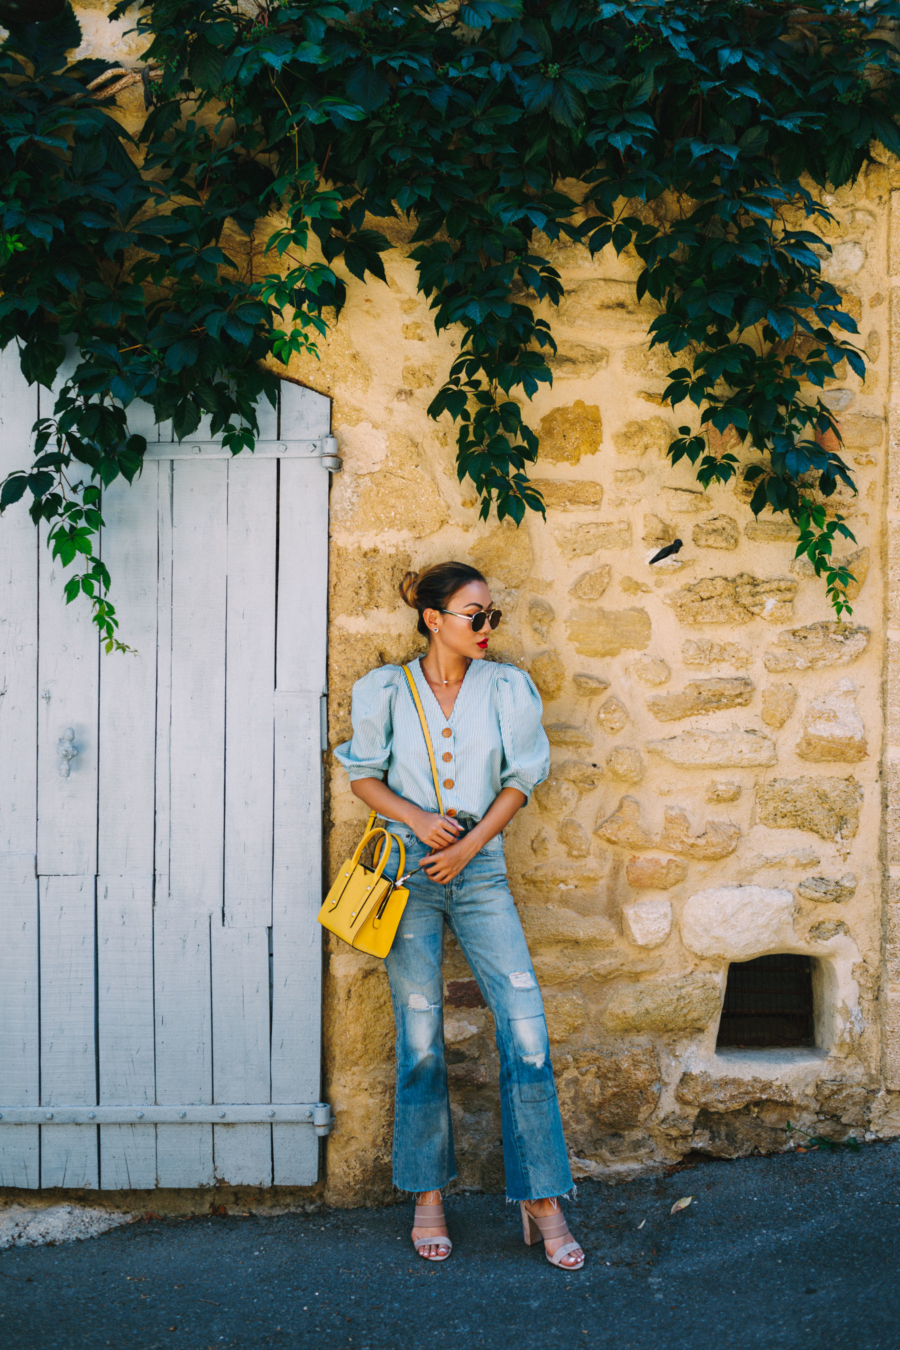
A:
(496, 739)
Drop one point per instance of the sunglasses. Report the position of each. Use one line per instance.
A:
(492, 616)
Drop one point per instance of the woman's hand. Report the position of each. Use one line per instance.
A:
(442, 867)
(434, 830)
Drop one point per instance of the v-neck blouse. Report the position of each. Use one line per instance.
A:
(493, 736)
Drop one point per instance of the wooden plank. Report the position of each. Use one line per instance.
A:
(197, 749)
(297, 960)
(125, 1026)
(303, 412)
(19, 1017)
(302, 576)
(184, 1153)
(68, 676)
(68, 1048)
(18, 621)
(240, 985)
(163, 678)
(127, 729)
(250, 684)
(19, 1011)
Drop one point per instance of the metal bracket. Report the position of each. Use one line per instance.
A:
(317, 1114)
(331, 460)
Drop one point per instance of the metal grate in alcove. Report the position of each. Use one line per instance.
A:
(768, 1002)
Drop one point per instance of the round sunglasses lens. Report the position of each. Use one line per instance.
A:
(496, 616)
(478, 621)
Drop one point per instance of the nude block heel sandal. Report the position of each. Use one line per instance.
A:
(432, 1217)
(538, 1229)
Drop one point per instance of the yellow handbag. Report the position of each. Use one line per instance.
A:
(364, 907)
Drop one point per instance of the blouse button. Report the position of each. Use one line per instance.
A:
(446, 756)
(451, 811)
(446, 732)
(448, 782)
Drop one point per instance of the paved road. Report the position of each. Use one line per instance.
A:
(773, 1252)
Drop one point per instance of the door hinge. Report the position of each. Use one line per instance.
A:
(331, 460)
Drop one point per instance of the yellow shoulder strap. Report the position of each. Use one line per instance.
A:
(418, 702)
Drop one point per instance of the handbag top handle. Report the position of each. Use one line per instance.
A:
(418, 702)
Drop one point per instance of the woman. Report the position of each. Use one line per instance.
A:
(484, 721)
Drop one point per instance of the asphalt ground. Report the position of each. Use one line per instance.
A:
(794, 1250)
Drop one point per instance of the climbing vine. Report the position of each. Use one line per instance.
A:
(698, 133)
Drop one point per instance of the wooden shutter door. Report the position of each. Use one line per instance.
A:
(160, 963)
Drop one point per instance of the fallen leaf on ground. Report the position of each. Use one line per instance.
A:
(681, 1204)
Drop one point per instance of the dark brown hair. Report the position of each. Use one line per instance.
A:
(433, 586)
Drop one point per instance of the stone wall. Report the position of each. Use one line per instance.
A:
(715, 792)
(717, 738)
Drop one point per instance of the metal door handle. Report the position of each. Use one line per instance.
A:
(67, 750)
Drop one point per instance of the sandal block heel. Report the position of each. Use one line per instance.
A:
(544, 1229)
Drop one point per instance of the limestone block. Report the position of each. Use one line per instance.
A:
(857, 563)
(826, 929)
(655, 874)
(777, 704)
(606, 1090)
(363, 579)
(832, 727)
(624, 826)
(577, 494)
(612, 716)
(718, 839)
(625, 764)
(772, 531)
(575, 837)
(576, 360)
(504, 555)
(701, 696)
(647, 923)
(657, 532)
(640, 438)
(827, 890)
(568, 433)
(737, 923)
(565, 1015)
(827, 643)
(632, 587)
(735, 599)
(704, 652)
(717, 532)
(723, 792)
(405, 499)
(614, 304)
(606, 632)
(553, 924)
(548, 673)
(567, 733)
(589, 685)
(828, 807)
(688, 1003)
(628, 478)
(577, 771)
(650, 670)
(730, 1094)
(577, 541)
(591, 585)
(555, 797)
(540, 616)
(716, 749)
(540, 844)
(684, 501)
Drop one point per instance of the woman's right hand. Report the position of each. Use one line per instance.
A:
(433, 829)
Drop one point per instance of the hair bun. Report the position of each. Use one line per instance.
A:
(408, 587)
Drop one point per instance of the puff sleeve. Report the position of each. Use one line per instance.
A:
(368, 753)
(526, 750)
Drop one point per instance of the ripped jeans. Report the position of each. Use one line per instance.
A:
(478, 908)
